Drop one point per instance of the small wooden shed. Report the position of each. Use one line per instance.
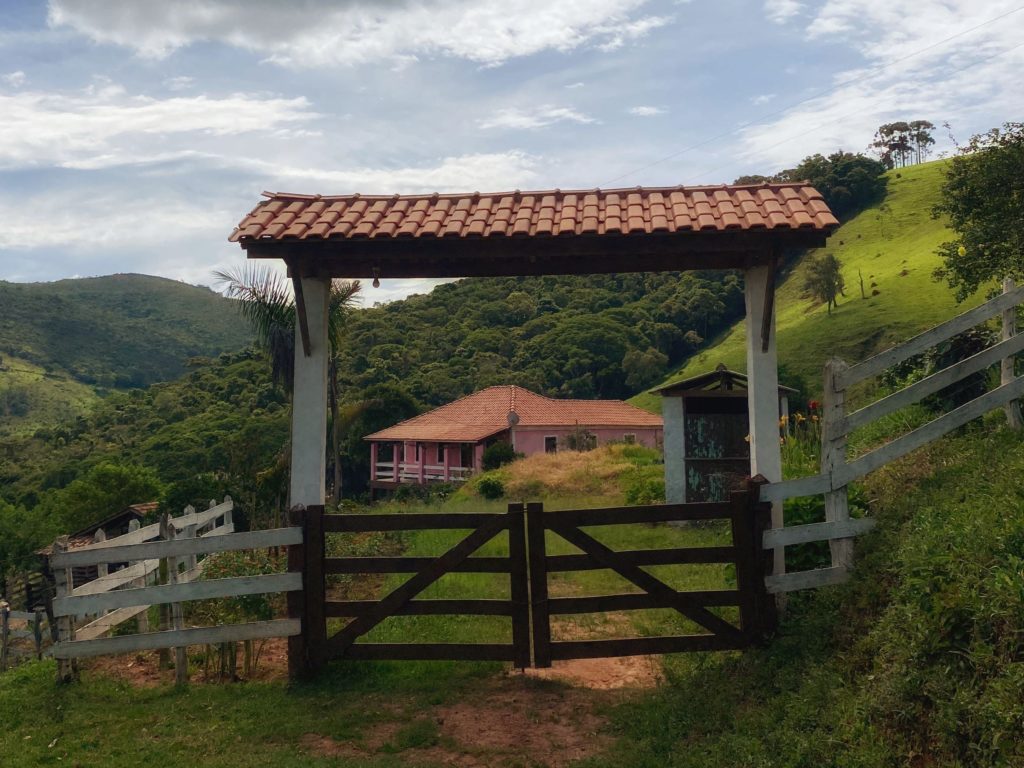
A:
(707, 435)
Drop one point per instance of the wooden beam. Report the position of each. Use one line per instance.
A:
(769, 303)
(508, 256)
(300, 314)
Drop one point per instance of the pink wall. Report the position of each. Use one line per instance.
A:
(531, 441)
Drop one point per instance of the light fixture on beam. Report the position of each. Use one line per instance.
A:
(376, 277)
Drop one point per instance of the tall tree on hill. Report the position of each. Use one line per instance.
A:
(268, 305)
(824, 279)
(921, 133)
(983, 195)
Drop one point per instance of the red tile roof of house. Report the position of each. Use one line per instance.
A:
(637, 210)
(486, 413)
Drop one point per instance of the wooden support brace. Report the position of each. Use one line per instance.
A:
(300, 314)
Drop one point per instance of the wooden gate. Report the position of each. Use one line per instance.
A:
(528, 604)
(756, 609)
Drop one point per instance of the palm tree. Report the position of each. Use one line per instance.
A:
(265, 301)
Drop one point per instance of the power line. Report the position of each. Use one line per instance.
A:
(851, 81)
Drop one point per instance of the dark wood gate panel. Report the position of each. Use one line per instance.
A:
(367, 614)
(756, 609)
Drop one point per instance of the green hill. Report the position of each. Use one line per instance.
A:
(892, 245)
(61, 341)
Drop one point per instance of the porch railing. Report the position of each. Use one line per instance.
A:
(409, 472)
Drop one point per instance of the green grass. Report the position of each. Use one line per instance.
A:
(31, 397)
(893, 249)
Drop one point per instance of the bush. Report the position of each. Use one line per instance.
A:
(811, 509)
(498, 454)
(646, 490)
(490, 488)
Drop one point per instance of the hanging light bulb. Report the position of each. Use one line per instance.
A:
(376, 277)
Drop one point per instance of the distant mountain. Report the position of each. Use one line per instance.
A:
(60, 341)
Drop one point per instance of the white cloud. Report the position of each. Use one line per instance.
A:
(575, 85)
(647, 111)
(537, 117)
(102, 126)
(485, 172)
(781, 11)
(910, 73)
(763, 98)
(180, 83)
(316, 33)
(15, 79)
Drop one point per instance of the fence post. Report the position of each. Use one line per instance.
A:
(102, 569)
(519, 586)
(298, 660)
(167, 533)
(37, 632)
(1006, 372)
(538, 584)
(5, 632)
(65, 625)
(833, 458)
(307, 653)
(143, 618)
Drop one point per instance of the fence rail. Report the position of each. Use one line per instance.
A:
(12, 646)
(124, 594)
(837, 471)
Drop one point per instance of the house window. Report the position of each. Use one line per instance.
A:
(550, 444)
(466, 455)
(629, 438)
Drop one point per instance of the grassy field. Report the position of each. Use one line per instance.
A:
(31, 397)
(914, 663)
(893, 247)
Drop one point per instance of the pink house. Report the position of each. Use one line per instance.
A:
(447, 443)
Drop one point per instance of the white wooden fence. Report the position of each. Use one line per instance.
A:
(837, 471)
(127, 593)
(21, 642)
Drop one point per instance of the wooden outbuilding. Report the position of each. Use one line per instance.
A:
(707, 434)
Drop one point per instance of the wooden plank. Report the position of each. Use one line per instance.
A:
(789, 489)
(420, 581)
(680, 556)
(1014, 418)
(634, 602)
(117, 578)
(412, 564)
(300, 311)
(519, 589)
(929, 432)
(924, 341)
(406, 522)
(822, 577)
(172, 638)
(198, 590)
(654, 513)
(204, 545)
(65, 626)
(748, 573)
(802, 534)
(833, 456)
(1004, 350)
(680, 600)
(153, 530)
(342, 608)
(642, 646)
(431, 651)
(538, 565)
(104, 624)
(314, 588)
(21, 615)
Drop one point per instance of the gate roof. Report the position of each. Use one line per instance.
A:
(529, 233)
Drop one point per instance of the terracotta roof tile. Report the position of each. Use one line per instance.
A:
(635, 211)
(485, 413)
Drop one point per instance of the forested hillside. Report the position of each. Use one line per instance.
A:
(61, 341)
(601, 336)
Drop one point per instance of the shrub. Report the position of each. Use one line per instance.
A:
(498, 454)
(646, 490)
(490, 488)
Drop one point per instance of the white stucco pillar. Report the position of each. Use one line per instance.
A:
(675, 450)
(763, 391)
(309, 399)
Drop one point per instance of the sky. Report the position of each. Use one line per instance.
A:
(134, 134)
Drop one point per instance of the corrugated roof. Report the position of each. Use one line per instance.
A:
(486, 413)
(636, 210)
